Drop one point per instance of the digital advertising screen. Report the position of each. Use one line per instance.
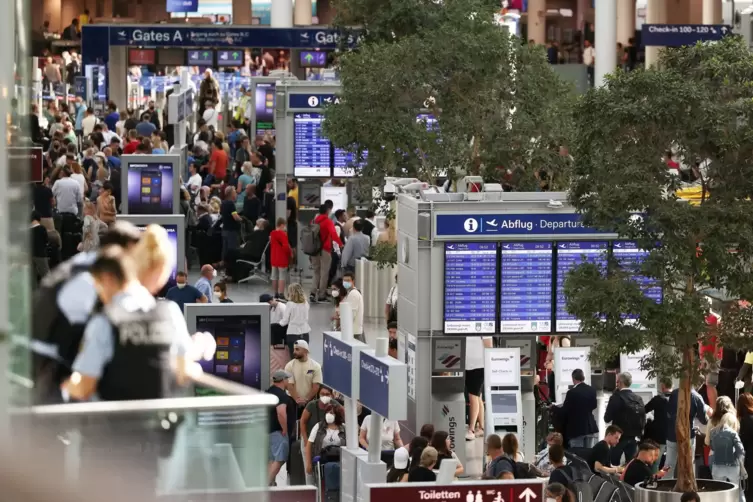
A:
(142, 56)
(311, 151)
(200, 58)
(172, 236)
(569, 256)
(470, 288)
(150, 188)
(230, 58)
(630, 257)
(526, 273)
(345, 163)
(265, 108)
(238, 355)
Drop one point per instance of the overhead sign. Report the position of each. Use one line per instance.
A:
(490, 491)
(383, 385)
(497, 225)
(313, 59)
(569, 359)
(182, 5)
(676, 35)
(193, 36)
(309, 101)
(337, 364)
(79, 87)
(230, 58)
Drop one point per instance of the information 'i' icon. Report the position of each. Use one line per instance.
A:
(313, 101)
(470, 225)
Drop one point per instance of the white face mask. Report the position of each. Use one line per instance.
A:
(550, 499)
(330, 418)
(335, 293)
(181, 285)
(325, 399)
(217, 294)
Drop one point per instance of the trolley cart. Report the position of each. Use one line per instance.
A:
(327, 479)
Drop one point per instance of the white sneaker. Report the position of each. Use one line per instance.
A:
(470, 435)
(479, 433)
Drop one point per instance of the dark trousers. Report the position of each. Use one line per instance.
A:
(628, 446)
(591, 75)
(291, 339)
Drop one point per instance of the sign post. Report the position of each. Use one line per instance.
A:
(677, 35)
(524, 490)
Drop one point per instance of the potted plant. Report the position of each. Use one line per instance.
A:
(698, 105)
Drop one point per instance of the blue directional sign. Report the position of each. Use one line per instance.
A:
(182, 5)
(676, 35)
(311, 101)
(337, 365)
(313, 59)
(79, 87)
(374, 386)
(474, 225)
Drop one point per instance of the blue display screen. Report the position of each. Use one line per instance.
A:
(230, 58)
(201, 58)
(344, 163)
(470, 288)
(526, 287)
(630, 257)
(311, 151)
(569, 256)
(429, 119)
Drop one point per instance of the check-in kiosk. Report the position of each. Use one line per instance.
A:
(504, 404)
(447, 387)
(176, 234)
(150, 184)
(567, 360)
(642, 385)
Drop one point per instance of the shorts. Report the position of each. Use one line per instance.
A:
(279, 274)
(279, 447)
(474, 381)
(712, 378)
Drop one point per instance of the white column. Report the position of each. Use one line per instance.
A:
(712, 11)
(656, 13)
(302, 14)
(281, 14)
(605, 39)
(537, 21)
(625, 21)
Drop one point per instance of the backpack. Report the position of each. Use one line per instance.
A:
(635, 414)
(310, 239)
(50, 329)
(582, 489)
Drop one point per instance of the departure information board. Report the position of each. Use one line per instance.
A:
(344, 163)
(630, 257)
(311, 151)
(526, 287)
(470, 288)
(429, 119)
(569, 256)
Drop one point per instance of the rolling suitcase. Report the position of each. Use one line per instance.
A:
(296, 465)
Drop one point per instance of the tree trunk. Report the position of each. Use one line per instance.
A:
(685, 470)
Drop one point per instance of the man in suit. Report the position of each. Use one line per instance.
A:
(576, 413)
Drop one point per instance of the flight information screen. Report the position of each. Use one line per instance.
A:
(345, 162)
(429, 119)
(311, 151)
(569, 256)
(526, 287)
(470, 288)
(630, 257)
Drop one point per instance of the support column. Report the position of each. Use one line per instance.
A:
(537, 21)
(302, 15)
(241, 11)
(625, 21)
(281, 14)
(656, 13)
(712, 11)
(605, 39)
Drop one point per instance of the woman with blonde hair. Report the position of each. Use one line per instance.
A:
(153, 258)
(728, 453)
(77, 173)
(244, 180)
(296, 316)
(389, 234)
(92, 229)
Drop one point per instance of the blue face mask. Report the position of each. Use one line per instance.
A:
(347, 284)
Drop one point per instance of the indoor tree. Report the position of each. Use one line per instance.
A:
(501, 111)
(698, 104)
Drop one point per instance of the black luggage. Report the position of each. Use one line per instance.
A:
(296, 465)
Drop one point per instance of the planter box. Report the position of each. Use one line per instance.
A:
(709, 491)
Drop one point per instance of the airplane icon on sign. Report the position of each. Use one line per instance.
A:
(492, 223)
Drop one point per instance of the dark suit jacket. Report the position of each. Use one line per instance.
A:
(576, 412)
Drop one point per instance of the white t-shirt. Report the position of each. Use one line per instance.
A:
(474, 352)
(389, 429)
(88, 123)
(355, 299)
(210, 117)
(276, 313)
(81, 180)
(589, 55)
(331, 437)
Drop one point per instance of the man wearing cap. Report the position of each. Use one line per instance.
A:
(305, 374)
(281, 424)
(276, 313)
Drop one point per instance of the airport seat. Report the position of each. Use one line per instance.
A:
(258, 268)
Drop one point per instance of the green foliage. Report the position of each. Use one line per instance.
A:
(425, 56)
(698, 104)
(384, 254)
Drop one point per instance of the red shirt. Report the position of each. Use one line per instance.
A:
(131, 147)
(327, 232)
(712, 322)
(280, 249)
(219, 157)
(673, 165)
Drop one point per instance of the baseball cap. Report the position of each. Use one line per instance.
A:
(266, 298)
(302, 344)
(280, 375)
(401, 458)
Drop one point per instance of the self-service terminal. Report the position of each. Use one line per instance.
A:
(642, 385)
(567, 360)
(502, 392)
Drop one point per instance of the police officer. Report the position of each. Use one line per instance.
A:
(137, 346)
(62, 307)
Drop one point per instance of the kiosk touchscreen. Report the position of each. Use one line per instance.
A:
(151, 184)
(175, 227)
(240, 330)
